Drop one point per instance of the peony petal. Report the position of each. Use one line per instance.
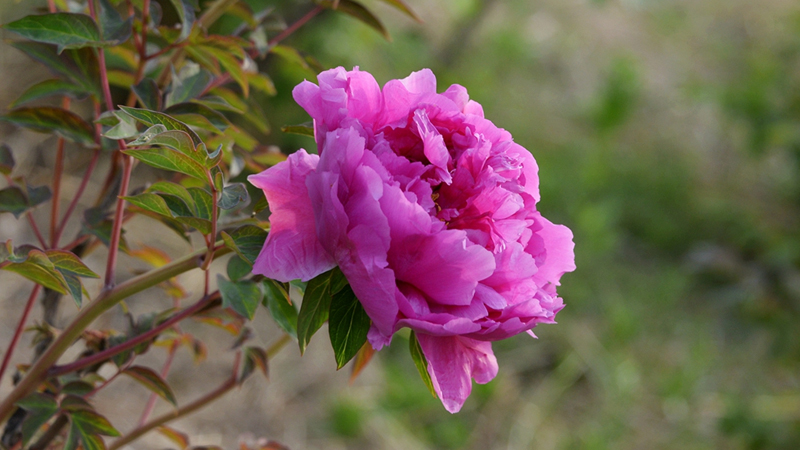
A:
(559, 248)
(420, 82)
(292, 249)
(445, 266)
(453, 362)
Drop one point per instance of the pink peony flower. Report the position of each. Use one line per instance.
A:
(430, 212)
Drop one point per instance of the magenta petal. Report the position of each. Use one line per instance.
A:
(560, 251)
(292, 249)
(453, 362)
(420, 82)
(445, 266)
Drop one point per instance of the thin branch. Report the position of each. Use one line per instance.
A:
(36, 231)
(151, 402)
(109, 353)
(221, 390)
(78, 194)
(37, 373)
(20, 327)
(293, 27)
(58, 171)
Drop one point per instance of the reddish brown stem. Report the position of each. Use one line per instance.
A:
(20, 327)
(78, 194)
(58, 172)
(293, 27)
(36, 231)
(151, 402)
(221, 390)
(127, 345)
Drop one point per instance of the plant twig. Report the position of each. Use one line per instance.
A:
(58, 171)
(221, 390)
(20, 327)
(151, 402)
(109, 353)
(38, 372)
(293, 27)
(36, 231)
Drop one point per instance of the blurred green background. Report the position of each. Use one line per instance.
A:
(668, 138)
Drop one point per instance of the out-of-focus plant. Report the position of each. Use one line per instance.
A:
(169, 85)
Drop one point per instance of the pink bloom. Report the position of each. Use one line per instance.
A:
(428, 209)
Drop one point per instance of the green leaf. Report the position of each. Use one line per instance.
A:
(189, 113)
(79, 66)
(38, 268)
(201, 225)
(359, 12)
(152, 381)
(90, 423)
(165, 158)
(262, 82)
(252, 358)
(150, 202)
(420, 361)
(75, 288)
(189, 87)
(177, 206)
(6, 160)
(49, 88)
(403, 6)
(348, 325)
(65, 30)
(148, 94)
(124, 128)
(49, 119)
(276, 299)
(176, 190)
(233, 196)
(246, 241)
(185, 10)
(67, 262)
(218, 103)
(38, 195)
(292, 55)
(242, 297)
(305, 129)
(237, 268)
(113, 29)
(231, 65)
(13, 200)
(174, 139)
(151, 118)
(78, 388)
(317, 303)
(41, 408)
(175, 436)
(202, 198)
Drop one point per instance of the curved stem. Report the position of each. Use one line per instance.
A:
(20, 327)
(293, 27)
(109, 353)
(36, 231)
(229, 384)
(221, 390)
(78, 194)
(38, 372)
(58, 171)
(116, 231)
(151, 402)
